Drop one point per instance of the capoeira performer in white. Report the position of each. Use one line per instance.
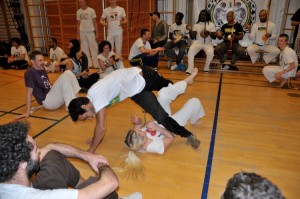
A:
(262, 34)
(87, 32)
(288, 63)
(113, 17)
(154, 138)
(205, 32)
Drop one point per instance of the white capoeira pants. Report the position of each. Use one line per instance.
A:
(90, 47)
(270, 72)
(194, 49)
(116, 40)
(62, 92)
(192, 110)
(272, 52)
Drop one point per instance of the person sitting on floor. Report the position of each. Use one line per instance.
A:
(52, 177)
(85, 79)
(154, 138)
(37, 84)
(288, 63)
(108, 60)
(56, 55)
(19, 57)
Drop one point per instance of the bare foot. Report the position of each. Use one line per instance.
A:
(198, 122)
(282, 83)
(190, 78)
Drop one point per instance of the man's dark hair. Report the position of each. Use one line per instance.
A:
(103, 44)
(180, 15)
(285, 36)
(16, 39)
(34, 53)
(207, 18)
(143, 31)
(75, 107)
(14, 149)
(250, 186)
(54, 40)
(155, 13)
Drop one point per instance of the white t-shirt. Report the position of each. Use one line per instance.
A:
(157, 145)
(86, 19)
(135, 48)
(115, 87)
(114, 17)
(14, 191)
(181, 30)
(18, 52)
(57, 54)
(286, 57)
(108, 70)
(259, 29)
(200, 27)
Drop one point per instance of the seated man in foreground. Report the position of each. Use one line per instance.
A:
(24, 153)
(288, 61)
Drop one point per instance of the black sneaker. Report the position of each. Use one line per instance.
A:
(223, 58)
(233, 59)
(193, 141)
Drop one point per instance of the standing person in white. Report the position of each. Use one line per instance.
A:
(262, 34)
(112, 18)
(87, 32)
(288, 61)
(204, 31)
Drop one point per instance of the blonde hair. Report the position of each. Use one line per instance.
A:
(131, 167)
(133, 140)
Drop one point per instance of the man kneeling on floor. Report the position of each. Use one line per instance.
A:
(288, 63)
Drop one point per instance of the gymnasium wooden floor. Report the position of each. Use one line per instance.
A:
(249, 126)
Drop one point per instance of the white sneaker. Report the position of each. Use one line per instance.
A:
(169, 63)
(173, 67)
(135, 195)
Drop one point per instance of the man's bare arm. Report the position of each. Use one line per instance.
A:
(99, 129)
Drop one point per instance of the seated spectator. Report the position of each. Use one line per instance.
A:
(56, 55)
(245, 185)
(231, 33)
(154, 138)
(19, 57)
(23, 161)
(3, 57)
(262, 38)
(141, 53)
(85, 79)
(84, 60)
(288, 63)
(203, 31)
(108, 60)
(178, 35)
(37, 84)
